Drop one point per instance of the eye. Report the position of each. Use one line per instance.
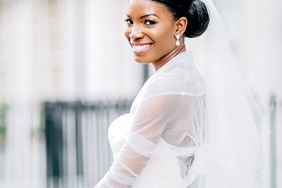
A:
(128, 21)
(149, 22)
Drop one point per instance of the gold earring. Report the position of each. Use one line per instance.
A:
(177, 40)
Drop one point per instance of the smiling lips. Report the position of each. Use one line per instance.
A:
(140, 47)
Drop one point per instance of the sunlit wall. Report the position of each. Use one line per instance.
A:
(64, 49)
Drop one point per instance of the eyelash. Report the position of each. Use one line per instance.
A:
(149, 22)
(128, 21)
(146, 22)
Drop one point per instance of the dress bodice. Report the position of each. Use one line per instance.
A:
(117, 132)
(161, 171)
(154, 145)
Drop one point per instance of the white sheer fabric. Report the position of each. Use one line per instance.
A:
(234, 152)
(165, 127)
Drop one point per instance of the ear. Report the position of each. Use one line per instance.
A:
(180, 26)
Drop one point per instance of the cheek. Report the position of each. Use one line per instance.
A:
(165, 40)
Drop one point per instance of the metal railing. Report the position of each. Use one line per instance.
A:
(77, 147)
(56, 144)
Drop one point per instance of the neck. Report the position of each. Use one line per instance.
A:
(159, 63)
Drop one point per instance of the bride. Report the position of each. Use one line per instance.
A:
(191, 124)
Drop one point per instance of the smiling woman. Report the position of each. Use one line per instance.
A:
(183, 129)
(154, 26)
(151, 32)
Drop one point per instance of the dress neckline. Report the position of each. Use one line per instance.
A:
(176, 59)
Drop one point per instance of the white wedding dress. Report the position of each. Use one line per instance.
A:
(154, 144)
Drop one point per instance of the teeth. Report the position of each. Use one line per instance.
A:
(135, 47)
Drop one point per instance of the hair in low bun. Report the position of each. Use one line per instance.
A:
(194, 10)
(198, 19)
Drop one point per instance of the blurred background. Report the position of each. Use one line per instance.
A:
(66, 71)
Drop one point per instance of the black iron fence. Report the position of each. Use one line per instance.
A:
(56, 144)
(77, 148)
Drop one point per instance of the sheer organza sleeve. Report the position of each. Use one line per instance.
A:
(150, 118)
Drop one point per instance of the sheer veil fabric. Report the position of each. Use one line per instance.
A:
(234, 153)
(194, 120)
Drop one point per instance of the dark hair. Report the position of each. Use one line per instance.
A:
(194, 10)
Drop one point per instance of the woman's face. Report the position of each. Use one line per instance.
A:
(150, 30)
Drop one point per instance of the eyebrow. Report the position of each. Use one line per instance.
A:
(144, 16)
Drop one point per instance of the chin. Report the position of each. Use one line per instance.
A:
(142, 60)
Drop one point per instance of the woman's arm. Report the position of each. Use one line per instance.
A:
(149, 120)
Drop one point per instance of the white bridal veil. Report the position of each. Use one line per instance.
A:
(234, 154)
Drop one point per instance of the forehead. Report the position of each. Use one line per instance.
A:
(138, 8)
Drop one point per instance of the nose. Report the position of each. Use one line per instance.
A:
(135, 33)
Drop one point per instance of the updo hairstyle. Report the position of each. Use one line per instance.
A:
(194, 10)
